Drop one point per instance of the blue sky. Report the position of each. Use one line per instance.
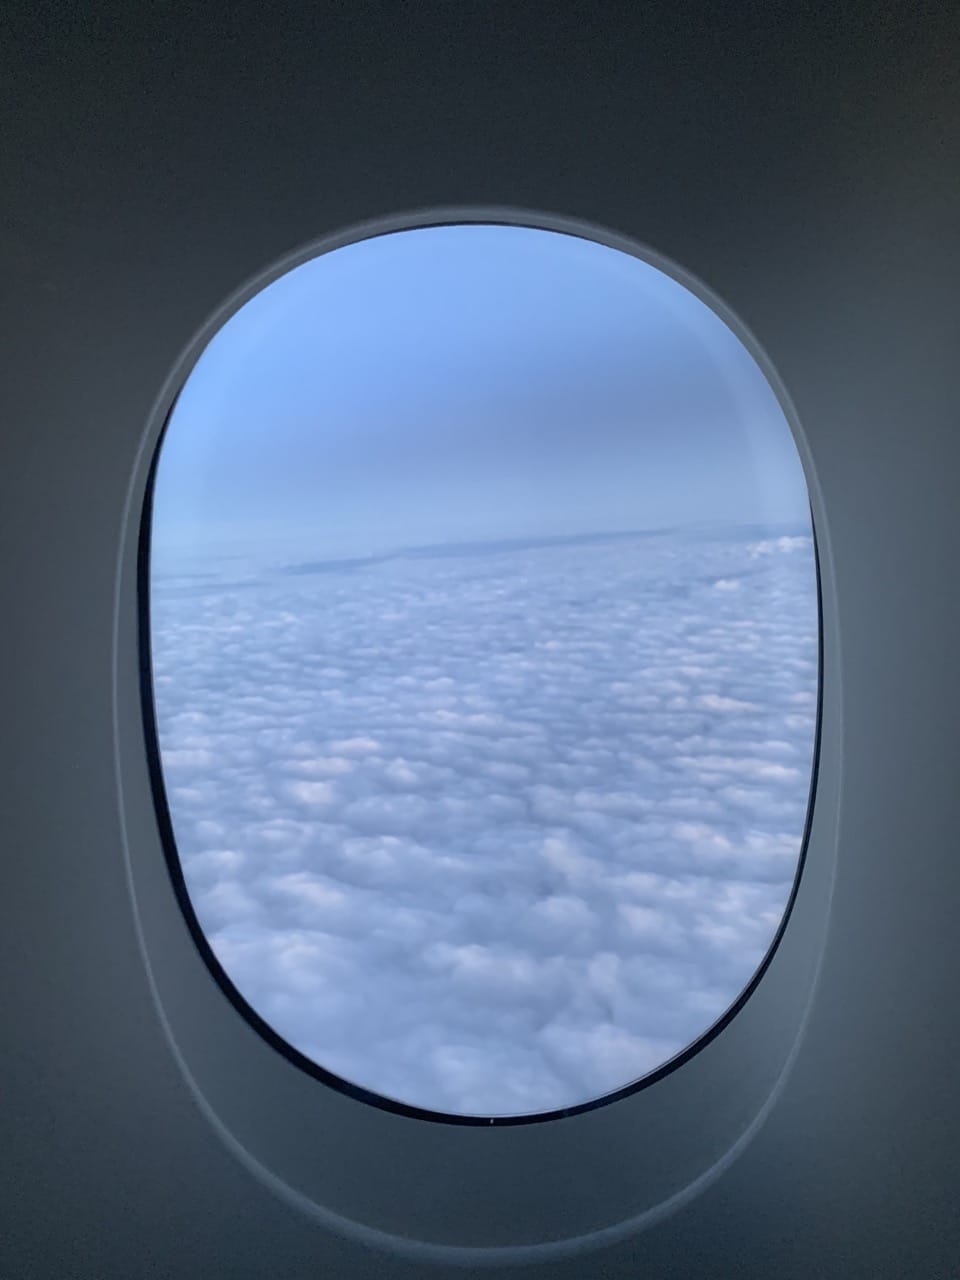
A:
(466, 383)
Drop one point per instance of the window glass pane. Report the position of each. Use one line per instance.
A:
(484, 632)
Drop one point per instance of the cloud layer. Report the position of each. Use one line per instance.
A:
(497, 832)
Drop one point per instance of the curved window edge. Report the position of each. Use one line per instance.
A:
(158, 789)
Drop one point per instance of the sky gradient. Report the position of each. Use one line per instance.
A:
(468, 383)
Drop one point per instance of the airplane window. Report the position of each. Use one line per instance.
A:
(482, 609)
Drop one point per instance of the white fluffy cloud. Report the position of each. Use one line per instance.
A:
(498, 833)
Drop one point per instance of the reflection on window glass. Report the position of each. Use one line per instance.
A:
(484, 635)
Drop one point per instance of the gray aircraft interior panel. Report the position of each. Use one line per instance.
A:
(799, 163)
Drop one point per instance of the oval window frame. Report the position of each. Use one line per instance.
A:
(134, 590)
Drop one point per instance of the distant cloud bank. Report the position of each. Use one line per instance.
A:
(493, 833)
